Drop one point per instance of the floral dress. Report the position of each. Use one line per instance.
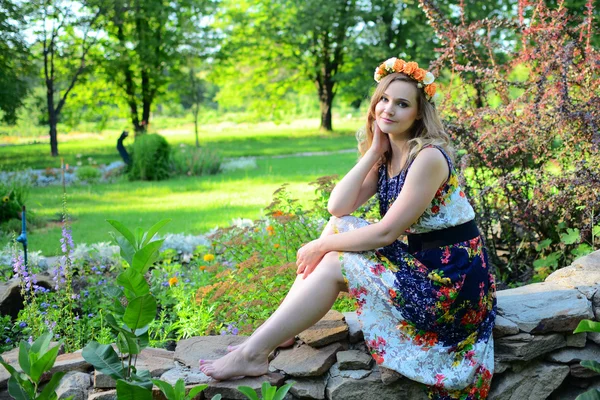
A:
(428, 314)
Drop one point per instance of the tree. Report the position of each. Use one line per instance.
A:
(65, 32)
(144, 48)
(271, 46)
(14, 61)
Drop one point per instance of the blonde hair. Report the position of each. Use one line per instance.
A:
(427, 130)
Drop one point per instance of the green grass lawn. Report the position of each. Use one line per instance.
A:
(195, 204)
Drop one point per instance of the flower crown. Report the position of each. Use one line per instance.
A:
(424, 78)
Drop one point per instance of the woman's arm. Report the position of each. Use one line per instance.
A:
(359, 185)
(424, 178)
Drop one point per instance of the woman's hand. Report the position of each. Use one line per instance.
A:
(308, 257)
(381, 141)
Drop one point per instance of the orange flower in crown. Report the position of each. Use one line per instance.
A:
(424, 78)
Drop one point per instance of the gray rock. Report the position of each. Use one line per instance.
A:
(570, 355)
(594, 337)
(11, 301)
(190, 351)
(389, 376)
(191, 376)
(371, 387)
(525, 347)
(596, 305)
(576, 340)
(103, 395)
(585, 271)
(355, 333)
(331, 328)
(335, 371)
(228, 389)
(499, 366)
(504, 327)
(579, 371)
(535, 382)
(544, 307)
(76, 384)
(354, 359)
(306, 361)
(308, 388)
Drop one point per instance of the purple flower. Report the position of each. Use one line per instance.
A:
(90, 315)
(7, 340)
(165, 284)
(22, 325)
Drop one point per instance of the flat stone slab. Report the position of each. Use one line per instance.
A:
(584, 271)
(544, 307)
(354, 359)
(305, 361)
(191, 376)
(525, 347)
(335, 371)
(571, 355)
(308, 388)
(535, 382)
(371, 387)
(190, 351)
(504, 327)
(331, 328)
(576, 340)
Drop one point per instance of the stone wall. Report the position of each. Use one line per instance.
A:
(537, 356)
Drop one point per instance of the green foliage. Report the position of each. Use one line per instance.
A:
(150, 158)
(194, 161)
(34, 360)
(268, 392)
(130, 323)
(88, 174)
(587, 325)
(177, 391)
(13, 195)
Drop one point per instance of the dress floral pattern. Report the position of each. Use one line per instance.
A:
(428, 315)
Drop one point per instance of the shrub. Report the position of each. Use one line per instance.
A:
(88, 174)
(523, 106)
(13, 195)
(150, 158)
(194, 161)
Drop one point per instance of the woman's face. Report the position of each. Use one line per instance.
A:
(397, 109)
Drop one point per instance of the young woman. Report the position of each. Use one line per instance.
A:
(426, 307)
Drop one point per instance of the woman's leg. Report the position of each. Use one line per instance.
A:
(328, 230)
(302, 308)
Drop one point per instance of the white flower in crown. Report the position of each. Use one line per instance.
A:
(429, 78)
(389, 64)
(436, 98)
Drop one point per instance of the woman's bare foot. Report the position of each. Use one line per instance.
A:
(234, 364)
(287, 343)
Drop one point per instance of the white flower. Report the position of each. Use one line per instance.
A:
(419, 85)
(436, 98)
(429, 78)
(389, 63)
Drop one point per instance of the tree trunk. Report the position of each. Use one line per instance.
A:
(326, 116)
(326, 95)
(52, 119)
(53, 139)
(196, 110)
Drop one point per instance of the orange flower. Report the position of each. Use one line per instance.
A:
(209, 257)
(419, 74)
(277, 213)
(276, 245)
(410, 67)
(271, 230)
(399, 65)
(202, 267)
(430, 89)
(381, 69)
(173, 281)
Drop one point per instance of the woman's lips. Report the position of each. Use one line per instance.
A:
(389, 121)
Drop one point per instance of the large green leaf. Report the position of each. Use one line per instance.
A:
(591, 364)
(593, 394)
(24, 354)
(587, 326)
(140, 312)
(127, 251)
(142, 378)
(123, 230)
(50, 388)
(268, 391)
(133, 281)
(17, 391)
(153, 230)
(44, 364)
(166, 388)
(195, 390)
(127, 344)
(282, 391)
(180, 389)
(249, 392)
(131, 391)
(145, 257)
(41, 344)
(104, 358)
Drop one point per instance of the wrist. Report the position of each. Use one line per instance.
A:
(322, 245)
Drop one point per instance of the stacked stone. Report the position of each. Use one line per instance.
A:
(537, 355)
